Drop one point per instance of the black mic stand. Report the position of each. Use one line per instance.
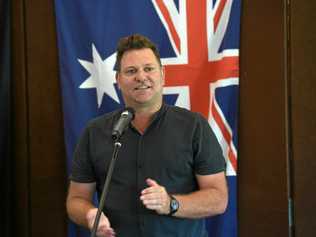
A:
(117, 145)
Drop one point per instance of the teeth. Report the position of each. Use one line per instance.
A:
(142, 87)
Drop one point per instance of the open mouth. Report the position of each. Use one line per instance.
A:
(142, 87)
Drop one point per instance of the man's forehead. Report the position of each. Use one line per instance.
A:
(138, 52)
(139, 57)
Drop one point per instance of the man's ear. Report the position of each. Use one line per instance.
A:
(117, 80)
(163, 74)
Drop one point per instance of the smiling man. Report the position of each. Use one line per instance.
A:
(170, 171)
(140, 77)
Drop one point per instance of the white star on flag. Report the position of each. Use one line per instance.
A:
(102, 76)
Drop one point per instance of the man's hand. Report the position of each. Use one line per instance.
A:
(155, 197)
(104, 228)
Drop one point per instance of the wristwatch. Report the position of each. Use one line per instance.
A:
(174, 205)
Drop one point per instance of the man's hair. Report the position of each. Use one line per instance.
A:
(131, 42)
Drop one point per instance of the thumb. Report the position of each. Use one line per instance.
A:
(90, 216)
(104, 220)
(151, 182)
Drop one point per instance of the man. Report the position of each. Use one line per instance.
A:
(169, 174)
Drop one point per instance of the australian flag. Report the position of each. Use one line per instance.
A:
(199, 44)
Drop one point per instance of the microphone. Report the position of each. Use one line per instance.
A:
(120, 126)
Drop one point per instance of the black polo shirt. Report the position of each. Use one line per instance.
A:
(176, 146)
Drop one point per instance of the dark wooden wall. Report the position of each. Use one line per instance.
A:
(277, 120)
(303, 114)
(40, 172)
(263, 169)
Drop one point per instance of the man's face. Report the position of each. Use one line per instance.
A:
(141, 78)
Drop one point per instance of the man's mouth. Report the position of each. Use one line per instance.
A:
(142, 87)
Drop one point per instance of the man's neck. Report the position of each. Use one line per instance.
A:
(144, 117)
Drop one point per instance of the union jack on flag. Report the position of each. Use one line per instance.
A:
(199, 44)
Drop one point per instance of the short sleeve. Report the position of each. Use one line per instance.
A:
(82, 169)
(208, 155)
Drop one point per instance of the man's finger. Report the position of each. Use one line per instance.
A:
(151, 182)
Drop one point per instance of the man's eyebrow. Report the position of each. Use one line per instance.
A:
(127, 67)
(146, 64)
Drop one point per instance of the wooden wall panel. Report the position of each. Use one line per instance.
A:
(262, 179)
(20, 153)
(41, 160)
(303, 108)
(47, 155)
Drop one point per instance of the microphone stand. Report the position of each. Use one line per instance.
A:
(117, 145)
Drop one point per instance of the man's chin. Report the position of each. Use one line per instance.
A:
(147, 103)
(144, 99)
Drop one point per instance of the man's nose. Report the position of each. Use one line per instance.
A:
(141, 75)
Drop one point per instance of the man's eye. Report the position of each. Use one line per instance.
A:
(149, 69)
(130, 71)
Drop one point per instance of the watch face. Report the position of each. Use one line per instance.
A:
(174, 205)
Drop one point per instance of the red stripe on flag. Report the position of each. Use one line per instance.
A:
(226, 134)
(170, 24)
(218, 13)
(232, 158)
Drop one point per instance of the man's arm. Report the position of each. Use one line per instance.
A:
(211, 198)
(81, 209)
(79, 201)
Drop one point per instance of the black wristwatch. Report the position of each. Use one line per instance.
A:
(174, 205)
